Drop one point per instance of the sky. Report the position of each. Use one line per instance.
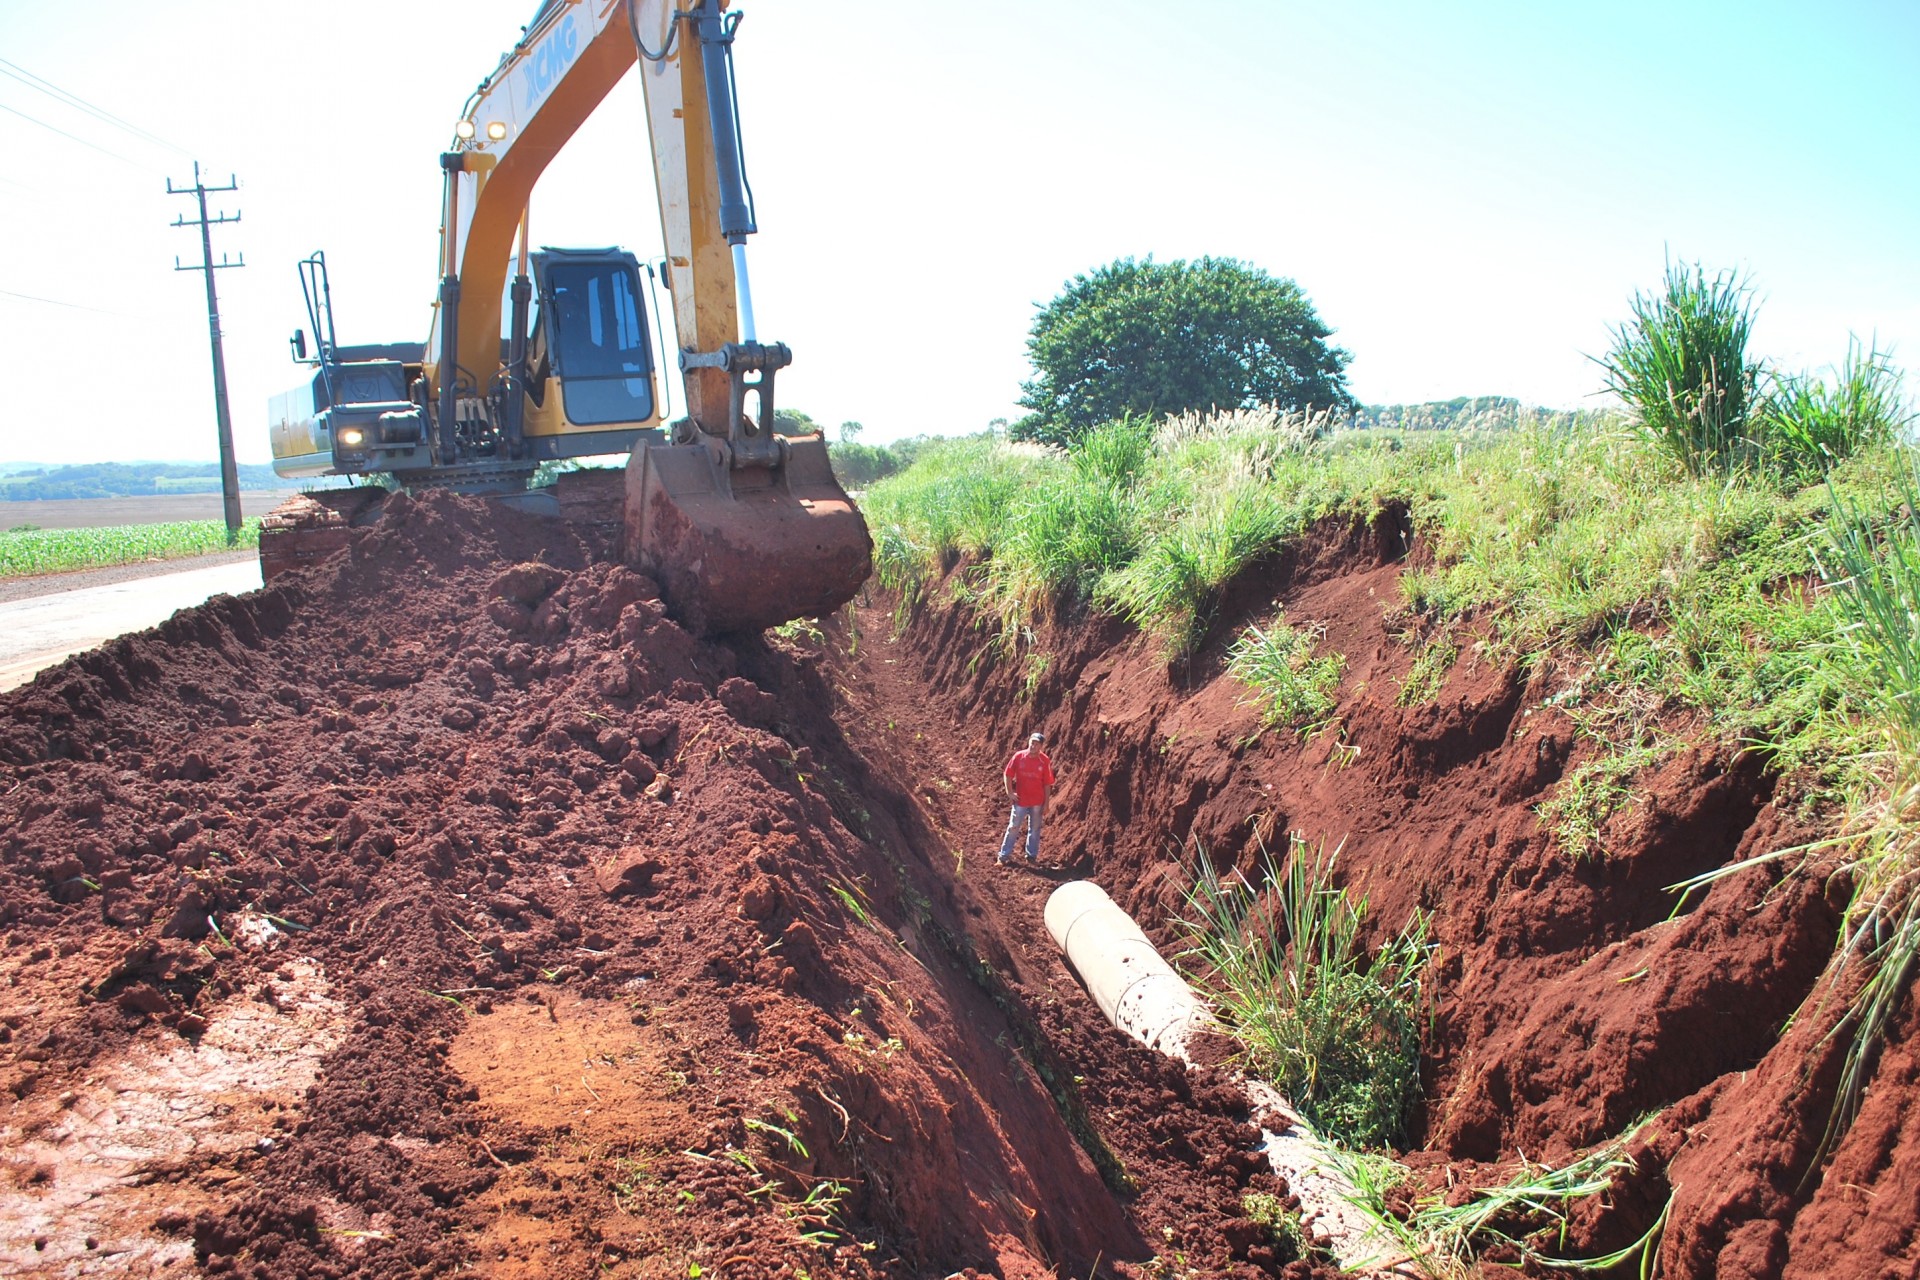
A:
(1470, 193)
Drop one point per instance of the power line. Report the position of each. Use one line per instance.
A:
(82, 141)
(55, 302)
(53, 90)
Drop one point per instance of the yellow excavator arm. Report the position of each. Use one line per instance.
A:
(568, 60)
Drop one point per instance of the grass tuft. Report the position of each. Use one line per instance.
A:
(1433, 658)
(1811, 424)
(1681, 367)
(1586, 798)
(1446, 1236)
(1335, 1031)
(1292, 683)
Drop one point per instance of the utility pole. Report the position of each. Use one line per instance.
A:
(229, 472)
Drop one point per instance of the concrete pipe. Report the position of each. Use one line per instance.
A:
(1142, 995)
(1138, 991)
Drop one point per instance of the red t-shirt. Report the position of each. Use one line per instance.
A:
(1032, 774)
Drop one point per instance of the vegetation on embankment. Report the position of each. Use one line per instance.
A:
(1655, 607)
(31, 551)
(1678, 592)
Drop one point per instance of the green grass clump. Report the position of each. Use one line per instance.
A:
(954, 500)
(1433, 658)
(1292, 682)
(1446, 1235)
(1336, 1031)
(1582, 801)
(1171, 586)
(1284, 1227)
(1217, 498)
(1681, 366)
(1149, 522)
(31, 551)
(1682, 369)
(1810, 424)
(1877, 563)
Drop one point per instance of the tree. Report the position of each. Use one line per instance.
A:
(1159, 338)
(850, 432)
(792, 422)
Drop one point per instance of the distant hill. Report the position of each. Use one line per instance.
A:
(127, 480)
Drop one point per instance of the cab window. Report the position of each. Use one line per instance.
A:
(600, 345)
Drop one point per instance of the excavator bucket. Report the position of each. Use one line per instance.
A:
(745, 549)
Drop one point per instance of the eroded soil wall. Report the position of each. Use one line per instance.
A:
(1576, 996)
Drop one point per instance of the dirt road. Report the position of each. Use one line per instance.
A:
(40, 630)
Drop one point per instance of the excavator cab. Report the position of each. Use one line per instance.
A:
(590, 335)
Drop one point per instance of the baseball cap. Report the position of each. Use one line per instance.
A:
(1037, 737)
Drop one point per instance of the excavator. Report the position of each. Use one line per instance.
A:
(743, 527)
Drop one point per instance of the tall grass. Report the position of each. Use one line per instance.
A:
(1681, 366)
(1172, 584)
(1335, 1030)
(954, 500)
(1148, 521)
(1879, 594)
(1810, 424)
(1075, 523)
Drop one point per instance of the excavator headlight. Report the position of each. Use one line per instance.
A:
(496, 129)
(464, 130)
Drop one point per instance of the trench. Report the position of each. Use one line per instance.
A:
(652, 954)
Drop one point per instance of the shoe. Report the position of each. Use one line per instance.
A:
(1032, 858)
(1001, 859)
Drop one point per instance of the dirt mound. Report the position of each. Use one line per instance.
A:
(465, 913)
(1574, 999)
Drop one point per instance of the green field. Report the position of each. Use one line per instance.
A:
(31, 551)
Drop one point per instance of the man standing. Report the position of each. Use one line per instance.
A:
(1026, 778)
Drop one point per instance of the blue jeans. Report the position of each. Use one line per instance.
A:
(1031, 815)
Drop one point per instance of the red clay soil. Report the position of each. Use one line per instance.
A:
(1573, 1001)
(447, 907)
